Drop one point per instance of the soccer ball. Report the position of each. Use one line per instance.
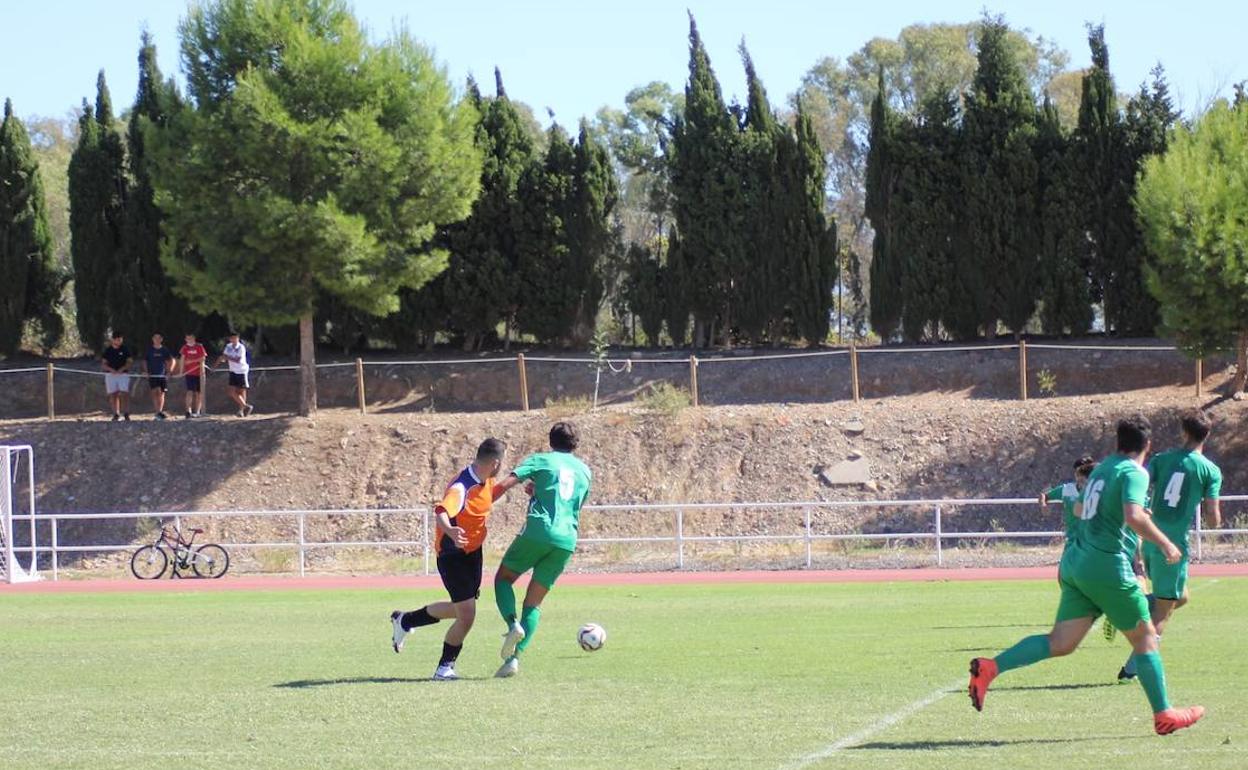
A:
(591, 637)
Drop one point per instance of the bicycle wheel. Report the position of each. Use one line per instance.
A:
(210, 561)
(149, 562)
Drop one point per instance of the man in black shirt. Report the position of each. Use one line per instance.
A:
(161, 364)
(116, 363)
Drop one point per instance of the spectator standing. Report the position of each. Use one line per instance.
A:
(160, 363)
(116, 361)
(192, 355)
(235, 354)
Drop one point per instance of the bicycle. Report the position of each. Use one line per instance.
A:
(207, 561)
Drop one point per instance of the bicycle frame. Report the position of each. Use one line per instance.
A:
(182, 549)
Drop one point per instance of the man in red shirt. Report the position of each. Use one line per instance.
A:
(191, 358)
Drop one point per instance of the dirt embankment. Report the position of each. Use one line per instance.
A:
(925, 446)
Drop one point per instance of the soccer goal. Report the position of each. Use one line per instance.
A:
(17, 498)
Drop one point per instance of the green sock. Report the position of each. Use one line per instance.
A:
(1153, 677)
(528, 621)
(505, 598)
(1033, 649)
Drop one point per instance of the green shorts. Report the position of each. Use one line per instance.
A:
(1169, 580)
(1101, 584)
(546, 561)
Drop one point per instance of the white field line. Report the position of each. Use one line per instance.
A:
(877, 727)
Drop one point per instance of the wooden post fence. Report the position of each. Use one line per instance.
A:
(693, 379)
(1022, 369)
(51, 392)
(853, 370)
(359, 384)
(1200, 377)
(524, 383)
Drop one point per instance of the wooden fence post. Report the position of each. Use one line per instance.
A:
(853, 370)
(51, 392)
(1022, 369)
(524, 383)
(693, 379)
(1200, 377)
(359, 383)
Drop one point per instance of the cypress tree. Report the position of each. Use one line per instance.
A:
(705, 190)
(484, 249)
(679, 276)
(1066, 303)
(811, 237)
(765, 260)
(886, 303)
(999, 184)
(592, 237)
(32, 282)
(96, 216)
(643, 291)
(929, 247)
(543, 272)
(1150, 116)
(1100, 145)
(143, 300)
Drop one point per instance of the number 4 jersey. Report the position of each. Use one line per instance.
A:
(560, 485)
(1182, 478)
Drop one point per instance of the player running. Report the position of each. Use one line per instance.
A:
(1096, 577)
(461, 518)
(1184, 481)
(560, 483)
(1070, 494)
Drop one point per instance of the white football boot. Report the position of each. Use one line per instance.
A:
(509, 669)
(396, 620)
(445, 673)
(514, 636)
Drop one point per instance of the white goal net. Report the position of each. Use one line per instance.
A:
(17, 511)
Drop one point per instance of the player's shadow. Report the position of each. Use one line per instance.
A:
(969, 744)
(1058, 687)
(978, 626)
(301, 684)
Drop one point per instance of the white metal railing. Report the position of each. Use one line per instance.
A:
(808, 536)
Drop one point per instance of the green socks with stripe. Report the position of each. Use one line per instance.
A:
(528, 621)
(1033, 649)
(1153, 677)
(505, 598)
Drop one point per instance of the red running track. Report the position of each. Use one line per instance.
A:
(330, 582)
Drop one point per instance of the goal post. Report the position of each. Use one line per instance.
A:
(17, 506)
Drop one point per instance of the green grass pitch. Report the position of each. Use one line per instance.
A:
(692, 676)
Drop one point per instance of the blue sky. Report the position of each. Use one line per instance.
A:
(575, 56)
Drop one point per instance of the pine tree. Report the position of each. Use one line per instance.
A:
(32, 282)
(97, 186)
(999, 184)
(325, 170)
(705, 190)
(143, 301)
(1065, 298)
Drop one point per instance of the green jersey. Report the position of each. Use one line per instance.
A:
(1182, 478)
(560, 485)
(1116, 482)
(1068, 494)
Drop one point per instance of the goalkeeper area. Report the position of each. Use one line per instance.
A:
(749, 675)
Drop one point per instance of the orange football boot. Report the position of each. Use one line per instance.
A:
(983, 671)
(1170, 720)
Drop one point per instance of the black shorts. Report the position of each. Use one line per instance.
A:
(461, 573)
(159, 382)
(192, 383)
(238, 381)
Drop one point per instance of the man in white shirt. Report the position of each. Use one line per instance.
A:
(236, 354)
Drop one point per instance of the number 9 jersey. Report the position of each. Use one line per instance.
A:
(560, 486)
